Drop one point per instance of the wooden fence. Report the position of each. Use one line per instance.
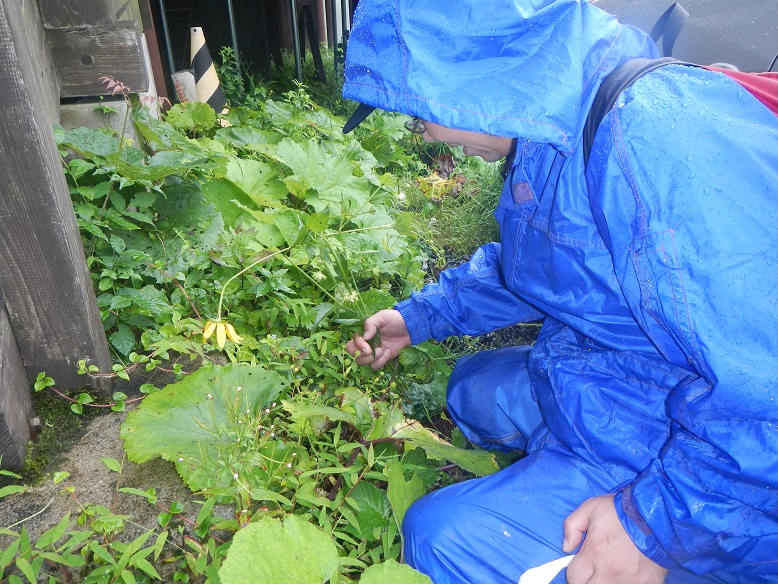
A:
(48, 313)
(54, 50)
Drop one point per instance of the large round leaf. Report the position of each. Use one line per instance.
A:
(186, 420)
(390, 572)
(288, 552)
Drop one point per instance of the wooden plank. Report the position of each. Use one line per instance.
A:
(83, 55)
(43, 275)
(75, 13)
(15, 402)
(150, 33)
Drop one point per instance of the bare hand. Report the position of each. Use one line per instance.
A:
(607, 555)
(393, 333)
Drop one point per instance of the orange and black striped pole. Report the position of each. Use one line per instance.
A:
(209, 89)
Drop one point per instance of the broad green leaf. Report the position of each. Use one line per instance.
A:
(191, 116)
(387, 418)
(401, 493)
(403, 223)
(263, 230)
(372, 509)
(143, 199)
(227, 198)
(91, 142)
(115, 219)
(117, 243)
(150, 494)
(26, 568)
(146, 566)
(288, 552)
(316, 414)
(140, 217)
(79, 167)
(322, 310)
(150, 300)
(181, 422)
(53, 535)
(12, 489)
(186, 205)
(8, 554)
(390, 572)
(326, 182)
(478, 462)
(123, 340)
(426, 379)
(247, 137)
(374, 300)
(112, 464)
(290, 225)
(317, 222)
(258, 180)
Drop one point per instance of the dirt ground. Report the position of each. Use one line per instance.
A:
(93, 483)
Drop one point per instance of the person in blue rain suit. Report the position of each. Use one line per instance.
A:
(648, 407)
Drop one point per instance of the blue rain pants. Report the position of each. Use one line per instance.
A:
(492, 529)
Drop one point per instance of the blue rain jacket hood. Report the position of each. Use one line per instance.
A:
(655, 267)
(514, 68)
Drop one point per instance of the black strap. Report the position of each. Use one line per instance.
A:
(668, 27)
(616, 81)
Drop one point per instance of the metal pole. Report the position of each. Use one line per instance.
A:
(345, 7)
(234, 35)
(166, 36)
(335, 20)
(296, 40)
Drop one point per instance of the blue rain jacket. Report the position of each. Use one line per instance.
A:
(655, 269)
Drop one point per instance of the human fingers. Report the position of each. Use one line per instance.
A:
(373, 324)
(358, 344)
(382, 357)
(576, 525)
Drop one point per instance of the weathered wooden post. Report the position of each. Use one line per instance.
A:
(49, 319)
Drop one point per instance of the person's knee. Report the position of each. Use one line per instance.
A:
(419, 527)
(427, 533)
(490, 398)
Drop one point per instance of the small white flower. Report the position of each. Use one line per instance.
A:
(235, 476)
(400, 196)
(180, 460)
(239, 388)
(272, 434)
(289, 465)
(210, 396)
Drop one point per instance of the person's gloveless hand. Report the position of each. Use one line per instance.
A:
(607, 555)
(390, 326)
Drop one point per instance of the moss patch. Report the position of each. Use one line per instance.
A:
(60, 430)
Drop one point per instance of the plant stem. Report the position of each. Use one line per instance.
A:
(240, 273)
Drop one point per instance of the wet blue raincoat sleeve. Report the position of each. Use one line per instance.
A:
(690, 220)
(471, 299)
